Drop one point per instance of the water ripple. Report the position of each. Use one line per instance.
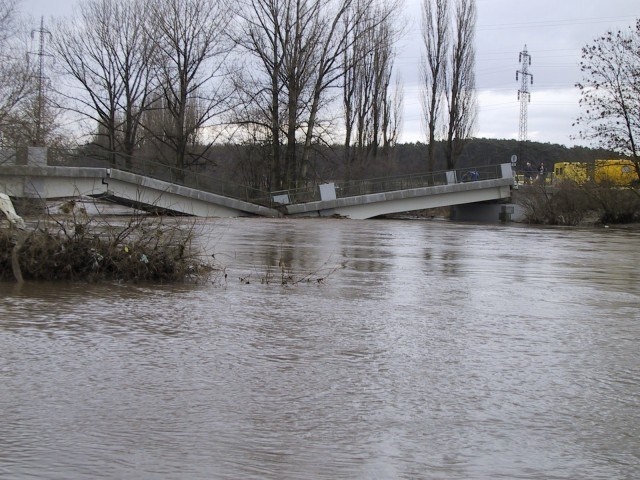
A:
(436, 351)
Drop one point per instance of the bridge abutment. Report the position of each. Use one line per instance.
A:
(487, 212)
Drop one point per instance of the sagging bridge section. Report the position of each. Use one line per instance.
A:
(371, 198)
(152, 186)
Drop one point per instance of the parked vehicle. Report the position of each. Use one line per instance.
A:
(619, 172)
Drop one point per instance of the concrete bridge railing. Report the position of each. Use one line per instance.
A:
(335, 190)
(44, 157)
(146, 182)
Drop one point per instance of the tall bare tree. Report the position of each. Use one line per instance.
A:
(263, 110)
(610, 92)
(392, 117)
(435, 36)
(461, 97)
(16, 72)
(299, 47)
(105, 51)
(332, 37)
(372, 107)
(192, 49)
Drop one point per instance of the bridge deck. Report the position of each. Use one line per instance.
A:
(375, 204)
(361, 199)
(370, 198)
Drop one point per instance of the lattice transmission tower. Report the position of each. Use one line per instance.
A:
(524, 96)
(41, 79)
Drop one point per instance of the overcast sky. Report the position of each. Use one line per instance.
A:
(554, 32)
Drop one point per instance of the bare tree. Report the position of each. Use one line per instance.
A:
(192, 49)
(16, 72)
(372, 108)
(435, 36)
(34, 121)
(610, 91)
(299, 47)
(8, 19)
(461, 98)
(27, 114)
(105, 51)
(331, 40)
(264, 30)
(134, 52)
(392, 117)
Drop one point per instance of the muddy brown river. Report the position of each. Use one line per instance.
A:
(402, 350)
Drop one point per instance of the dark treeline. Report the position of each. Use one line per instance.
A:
(243, 163)
(248, 164)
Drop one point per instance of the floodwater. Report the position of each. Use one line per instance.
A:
(397, 350)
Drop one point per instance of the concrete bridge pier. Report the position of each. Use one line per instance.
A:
(489, 212)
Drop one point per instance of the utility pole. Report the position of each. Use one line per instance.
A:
(41, 53)
(523, 93)
(524, 96)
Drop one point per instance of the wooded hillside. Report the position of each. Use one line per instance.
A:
(246, 164)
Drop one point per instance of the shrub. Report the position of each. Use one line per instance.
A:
(564, 204)
(615, 204)
(568, 203)
(77, 247)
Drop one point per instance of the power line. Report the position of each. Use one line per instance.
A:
(554, 23)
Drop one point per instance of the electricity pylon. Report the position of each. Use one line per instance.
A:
(524, 96)
(41, 53)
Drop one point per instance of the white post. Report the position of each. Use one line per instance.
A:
(506, 170)
(328, 191)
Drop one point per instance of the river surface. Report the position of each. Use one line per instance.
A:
(397, 350)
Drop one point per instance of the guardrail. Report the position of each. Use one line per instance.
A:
(388, 184)
(179, 176)
(312, 193)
